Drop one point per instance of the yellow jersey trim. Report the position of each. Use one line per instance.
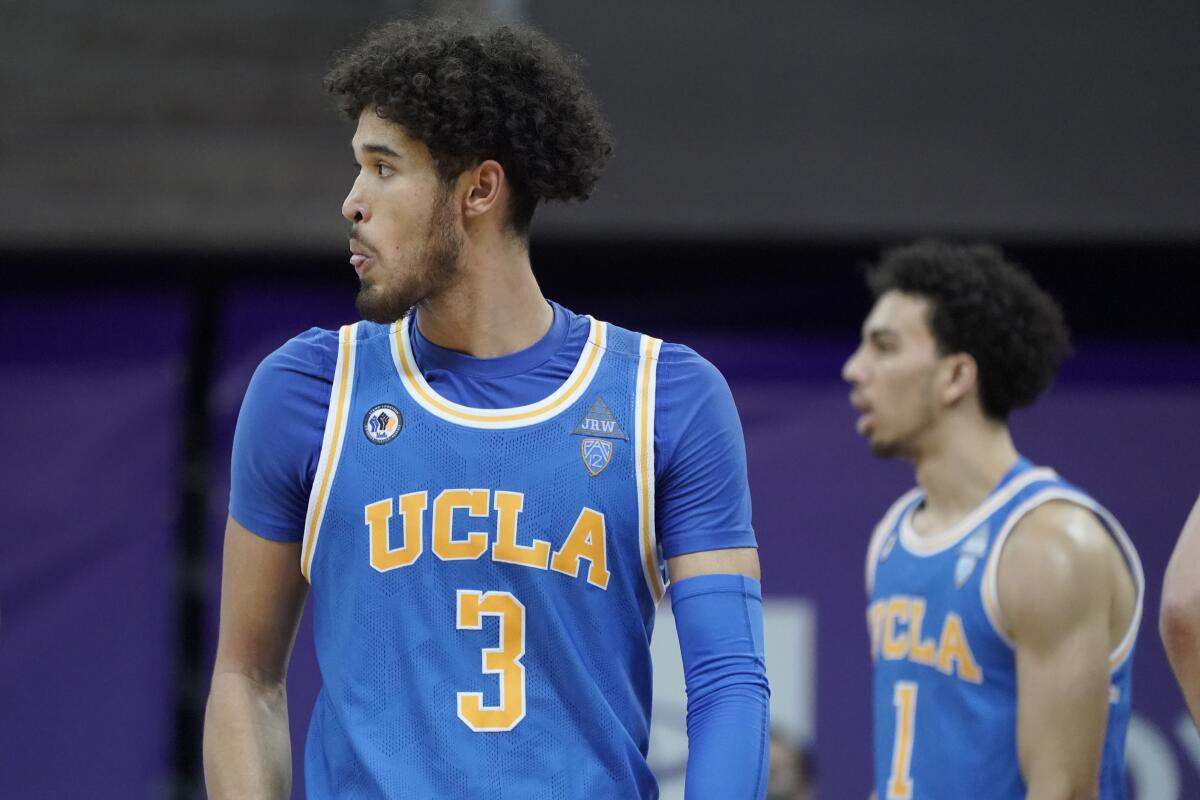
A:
(989, 586)
(492, 418)
(644, 452)
(331, 446)
(931, 544)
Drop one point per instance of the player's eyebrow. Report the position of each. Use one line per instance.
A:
(375, 148)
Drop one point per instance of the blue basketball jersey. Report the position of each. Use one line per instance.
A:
(484, 581)
(945, 681)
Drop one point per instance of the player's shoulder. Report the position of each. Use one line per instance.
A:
(1057, 556)
(1060, 528)
(311, 354)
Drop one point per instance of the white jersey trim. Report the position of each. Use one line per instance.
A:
(497, 418)
(933, 544)
(644, 405)
(336, 422)
(989, 586)
(880, 534)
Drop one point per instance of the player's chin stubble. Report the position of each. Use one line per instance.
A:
(432, 271)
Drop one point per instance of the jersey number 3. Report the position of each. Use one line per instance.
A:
(504, 660)
(904, 698)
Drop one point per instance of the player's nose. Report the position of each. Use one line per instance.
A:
(354, 207)
(852, 370)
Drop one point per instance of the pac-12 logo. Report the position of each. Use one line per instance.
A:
(382, 423)
(597, 453)
(602, 430)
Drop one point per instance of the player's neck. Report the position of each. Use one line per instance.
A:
(959, 468)
(495, 307)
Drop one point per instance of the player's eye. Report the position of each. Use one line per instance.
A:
(383, 170)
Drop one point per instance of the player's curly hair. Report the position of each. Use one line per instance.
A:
(986, 306)
(471, 91)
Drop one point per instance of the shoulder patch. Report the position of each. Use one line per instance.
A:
(970, 552)
(599, 421)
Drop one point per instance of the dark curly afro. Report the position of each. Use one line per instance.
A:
(983, 305)
(470, 92)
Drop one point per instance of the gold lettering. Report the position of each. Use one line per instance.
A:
(920, 651)
(378, 516)
(895, 646)
(475, 501)
(508, 507)
(954, 648)
(586, 540)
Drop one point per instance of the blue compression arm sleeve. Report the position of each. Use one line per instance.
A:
(720, 625)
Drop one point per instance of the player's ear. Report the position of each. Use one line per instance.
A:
(959, 377)
(485, 188)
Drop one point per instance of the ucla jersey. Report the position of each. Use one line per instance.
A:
(945, 681)
(484, 581)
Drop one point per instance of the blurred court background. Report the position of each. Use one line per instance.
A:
(170, 177)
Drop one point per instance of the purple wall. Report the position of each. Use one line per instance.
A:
(89, 417)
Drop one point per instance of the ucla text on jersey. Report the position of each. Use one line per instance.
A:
(945, 702)
(487, 580)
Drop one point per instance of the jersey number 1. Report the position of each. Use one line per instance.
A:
(504, 660)
(904, 698)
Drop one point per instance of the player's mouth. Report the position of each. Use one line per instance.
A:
(864, 424)
(360, 259)
(865, 420)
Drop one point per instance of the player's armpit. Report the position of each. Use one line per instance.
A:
(247, 747)
(734, 561)
(1179, 618)
(1055, 587)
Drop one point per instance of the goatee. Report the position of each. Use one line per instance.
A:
(434, 269)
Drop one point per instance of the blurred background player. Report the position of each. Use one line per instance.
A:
(791, 774)
(1004, 602)
(481, 493)
(1179, 624)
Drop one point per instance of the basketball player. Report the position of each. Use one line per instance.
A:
(1004, 602)
(487, 497)
(1180, 615)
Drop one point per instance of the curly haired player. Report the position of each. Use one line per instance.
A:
(485, 494)
(1003, 601)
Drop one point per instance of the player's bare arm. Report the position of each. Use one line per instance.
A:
(1062, 594)
(734, 561)
(1179, 621)
(247, 747)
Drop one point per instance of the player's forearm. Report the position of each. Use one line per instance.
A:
(1179, 626)
(719, 621)
(247, 744)
(1059, 775)
(1179, 618)
(1062, 787)
(727, 743)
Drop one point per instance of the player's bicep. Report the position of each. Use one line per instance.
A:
(734, 561)
(1062, 705)
(1180, 614)
(702, 496)
(1054, 590)
(262, 597)
(277, 440)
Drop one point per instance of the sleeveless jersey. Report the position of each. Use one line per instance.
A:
(484, 581)
(945, 681)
